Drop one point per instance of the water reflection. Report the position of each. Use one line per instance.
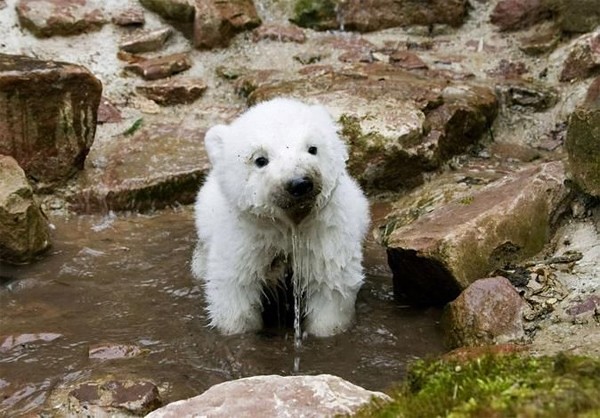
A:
(125, 281)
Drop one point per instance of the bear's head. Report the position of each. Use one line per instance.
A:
(281, 159)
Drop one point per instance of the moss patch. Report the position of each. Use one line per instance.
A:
(496, 386)
(315, 14)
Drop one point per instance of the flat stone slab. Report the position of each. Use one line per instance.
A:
(146, 41)
(173, 91)
(441, 252)
(274, 396)
(160, 67)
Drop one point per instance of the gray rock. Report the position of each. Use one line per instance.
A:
(489, 311)
(48, 113)
(274, 396)
(24, 231)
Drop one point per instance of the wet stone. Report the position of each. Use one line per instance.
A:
(407, 60)
(114, 397)
(279, 33)
(583, 148)
(578, 16)
(146, 41)
(216, 22)
(108, 112)
(274, 396)
(48, 114)
(14, 341)
(541, 39)
(174, 91)
(24, 231)
(518, 14)
(177, 10)
(45, 18)
(132, 16)
(465, 239)
(113, 351)
(488, 311)
(535, 96)
(162, 67)
(583, 59)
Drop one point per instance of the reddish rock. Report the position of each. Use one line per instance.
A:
(584, 58)
(274, 396)
(113, 398)
(280, 33)
(132, 16)
(48, 115)
(407, 60)
(588, 304)
(216, 22)
(46, 18)
(150, 168)
(108, 113)
(146, 41)
(444, 250)
(177, 10)
(488, 311)
(161, 67)
(519, 14)
(173, 92)
(509, 69)
(372, 15)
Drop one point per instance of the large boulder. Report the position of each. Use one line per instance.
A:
(372, 15)
(216, 22)
(274, 396)
(45, 18)
(489, 311)
(459, 241)
(24, 231)
(48, 114)
(398, 124)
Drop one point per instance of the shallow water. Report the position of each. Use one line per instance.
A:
(125, 281)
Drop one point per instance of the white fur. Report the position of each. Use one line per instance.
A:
(241, 230)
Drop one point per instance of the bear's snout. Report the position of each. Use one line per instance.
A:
(300, 186)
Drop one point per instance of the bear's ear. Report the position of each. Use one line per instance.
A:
(213, 142)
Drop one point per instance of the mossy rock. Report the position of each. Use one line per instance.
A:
(315, 14)
(496, 386)
(583, 148)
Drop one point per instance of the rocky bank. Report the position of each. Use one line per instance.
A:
(475, 122)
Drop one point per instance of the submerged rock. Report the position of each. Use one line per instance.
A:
(502, 223)
(489, 311)
(45, 18)
(274, 396)
(24, 231)
(48, 113)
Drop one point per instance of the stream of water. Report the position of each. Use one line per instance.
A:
(125, 281)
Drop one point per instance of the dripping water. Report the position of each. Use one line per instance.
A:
(300, 272)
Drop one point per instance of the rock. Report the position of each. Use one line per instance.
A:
(308, 57)
(45, 18)
(446, 249)
(489, 311)
(161, 67)
(48, 115)
(584, 58)
(108, 113)
(280, 33)
(150, 168)
(407, 60)
(377, 14)
(146, 41)
(592, 97)
(421, 122)
(14, 341)
(519, 14)
(274, 396)
(113, 398)
(24, 230)
(174, 91)
(132, 16)
(583, 148)
(540, 39)
(177, 10)
(532, 95)
(578, 16)
(217, 21)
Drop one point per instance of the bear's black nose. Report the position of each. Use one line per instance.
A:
(300, 186)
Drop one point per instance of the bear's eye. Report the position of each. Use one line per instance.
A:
(312, 150)
(260, 162)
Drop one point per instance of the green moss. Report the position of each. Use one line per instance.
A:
(134, 127)
(315, 14)
(496, 386)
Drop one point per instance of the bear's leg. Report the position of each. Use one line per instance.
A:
(329, 311)
(233, 308)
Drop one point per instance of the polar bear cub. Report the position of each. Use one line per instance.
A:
(278, 197)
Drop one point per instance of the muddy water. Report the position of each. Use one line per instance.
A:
(125, 281)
